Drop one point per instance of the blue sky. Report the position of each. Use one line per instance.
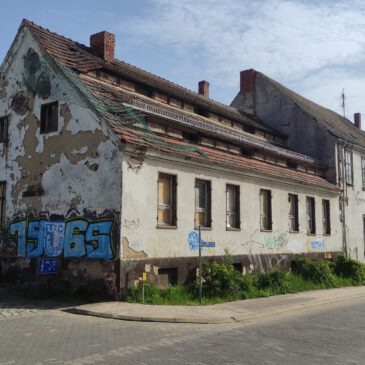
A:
(316, 48)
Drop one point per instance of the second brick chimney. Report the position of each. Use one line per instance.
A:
(204, 88)
(103, 44)
(357, 120)
(247, 81)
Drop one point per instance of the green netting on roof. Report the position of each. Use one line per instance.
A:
(123, 115)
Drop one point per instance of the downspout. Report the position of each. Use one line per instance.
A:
(344, 200)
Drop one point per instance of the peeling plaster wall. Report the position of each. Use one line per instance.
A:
(148, 243)
(74, 172)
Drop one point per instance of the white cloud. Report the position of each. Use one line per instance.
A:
(290, 40)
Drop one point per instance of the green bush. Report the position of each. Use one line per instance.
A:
(275, 281)
(317, 271)
(222, 280)
(348, 268)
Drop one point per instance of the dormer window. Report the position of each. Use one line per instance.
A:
(203, 112)
(49, 118)
(144, 90)
(4, 129)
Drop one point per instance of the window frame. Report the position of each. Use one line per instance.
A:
(326, 217)
(2, 204)
(295, 216)
(363, 172)
(44, 123)
(266, 215)
(237, 209)
(173, 202)
(311, 215)
(208, 206)
(349, 168)
(4, 131)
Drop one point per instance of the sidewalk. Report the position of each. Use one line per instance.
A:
(239, 311)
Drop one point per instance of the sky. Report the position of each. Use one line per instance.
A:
(314, 47)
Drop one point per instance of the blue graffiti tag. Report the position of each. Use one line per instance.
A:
(318, 245)
(74, 238)
(193, 240)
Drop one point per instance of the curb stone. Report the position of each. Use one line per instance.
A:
(212, 320)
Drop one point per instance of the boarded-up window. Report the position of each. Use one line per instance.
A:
(265, 210)
(293, 213)
(49, 117)
(311, 216)
(326, 216)
(233, 206)
(202, 203)
(2, 204)
(167, 277)
(166, 212)
(4, 130)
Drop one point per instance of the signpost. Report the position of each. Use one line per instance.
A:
(144, 279)
(202, 244)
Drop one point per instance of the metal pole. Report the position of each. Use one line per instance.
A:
(200, 268)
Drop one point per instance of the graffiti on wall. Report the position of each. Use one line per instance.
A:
(73, 238)
(193, 240)
(318, 245)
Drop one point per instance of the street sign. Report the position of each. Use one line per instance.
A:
(207, 244)
(144, 276)
(47, 266)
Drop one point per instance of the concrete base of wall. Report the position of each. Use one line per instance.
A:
(112, 278)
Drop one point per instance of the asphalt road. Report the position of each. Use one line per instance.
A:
(332, 334)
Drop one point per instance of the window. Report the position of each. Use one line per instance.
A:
(233, 206)
(348, 168)
(4, 126)
(326, 216)
(311, 216)
(265, 210)
(363, 172)
(49, 118)
(293, 213)
(166, 214)
(202, 203)
(2, 204)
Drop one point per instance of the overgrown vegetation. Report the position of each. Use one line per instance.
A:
(223, 282)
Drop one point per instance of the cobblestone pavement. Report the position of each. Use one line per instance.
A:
(332, 334)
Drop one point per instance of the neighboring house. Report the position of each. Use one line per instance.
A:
(107, 171)
(331, 139)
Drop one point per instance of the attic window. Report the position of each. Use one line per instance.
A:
(292, 165)
(248, 129)
(49, 117)
(191, 137)
(247, 153)
(203, 112)
(144, 90)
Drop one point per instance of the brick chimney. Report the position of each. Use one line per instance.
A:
(103, 44)
(204, 88)
(247, 81)
(357, 120)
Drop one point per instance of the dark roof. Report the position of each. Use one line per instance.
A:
(222, 158)
(109, 103)
(82, 59)
(335, 123)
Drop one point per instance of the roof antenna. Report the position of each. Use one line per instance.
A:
(343, 106)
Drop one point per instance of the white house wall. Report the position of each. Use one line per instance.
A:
(142, 240)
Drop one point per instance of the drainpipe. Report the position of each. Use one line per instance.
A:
(344, 200)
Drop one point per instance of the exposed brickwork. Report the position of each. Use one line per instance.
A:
(204, 88)
(103, 44)
(357, 120)
(247, 81)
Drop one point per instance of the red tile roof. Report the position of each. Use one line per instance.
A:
(81, 59)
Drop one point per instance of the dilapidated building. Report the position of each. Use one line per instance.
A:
(331, 139)
(107, 171)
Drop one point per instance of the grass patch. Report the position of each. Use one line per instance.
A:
(222, 282)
